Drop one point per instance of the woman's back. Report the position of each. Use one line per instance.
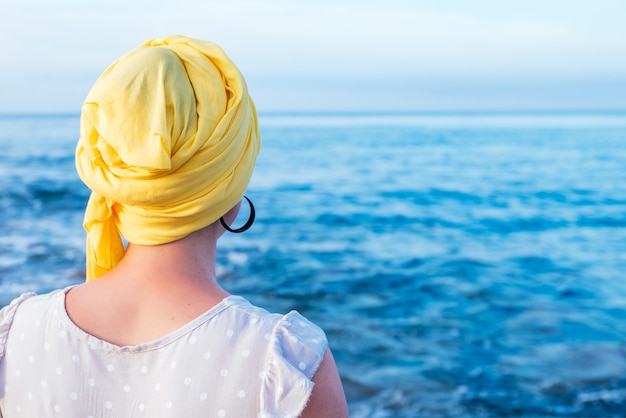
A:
(233, 360)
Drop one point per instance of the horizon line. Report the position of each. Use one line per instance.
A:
(416, 112)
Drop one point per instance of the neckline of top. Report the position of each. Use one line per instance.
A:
(97, 343)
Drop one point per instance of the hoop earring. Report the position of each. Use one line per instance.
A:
(247, 224)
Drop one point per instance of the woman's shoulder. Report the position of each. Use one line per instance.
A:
(291, 325)
(8, 312)
(293, 340)
(7, 315)
(25, 305)
(31, 300)
(296, 348)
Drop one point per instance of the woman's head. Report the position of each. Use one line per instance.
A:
(169, 138)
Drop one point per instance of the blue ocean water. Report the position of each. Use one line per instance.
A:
(462, 264)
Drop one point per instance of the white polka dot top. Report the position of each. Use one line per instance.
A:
(235, 360)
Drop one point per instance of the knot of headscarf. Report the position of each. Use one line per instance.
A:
(168, 142)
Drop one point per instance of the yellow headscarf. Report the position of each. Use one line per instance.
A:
(168, 141)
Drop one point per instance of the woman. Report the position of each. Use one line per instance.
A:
(168, 142)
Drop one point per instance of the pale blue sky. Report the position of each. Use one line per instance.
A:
(328, 55)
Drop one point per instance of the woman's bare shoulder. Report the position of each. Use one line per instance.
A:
(328, 399)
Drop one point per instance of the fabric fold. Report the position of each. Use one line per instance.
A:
(6, 319)
(297, 350)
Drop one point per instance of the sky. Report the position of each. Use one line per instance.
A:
(335, 55)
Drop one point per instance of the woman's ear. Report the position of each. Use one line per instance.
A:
(230, 216)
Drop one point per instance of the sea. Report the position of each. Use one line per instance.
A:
(462, 264)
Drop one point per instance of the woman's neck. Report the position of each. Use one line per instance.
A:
(151, 292)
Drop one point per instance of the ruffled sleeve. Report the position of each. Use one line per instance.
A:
(297, 347)
(6, 319)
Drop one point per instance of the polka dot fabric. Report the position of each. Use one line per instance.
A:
(6, 319)
(235, 360)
